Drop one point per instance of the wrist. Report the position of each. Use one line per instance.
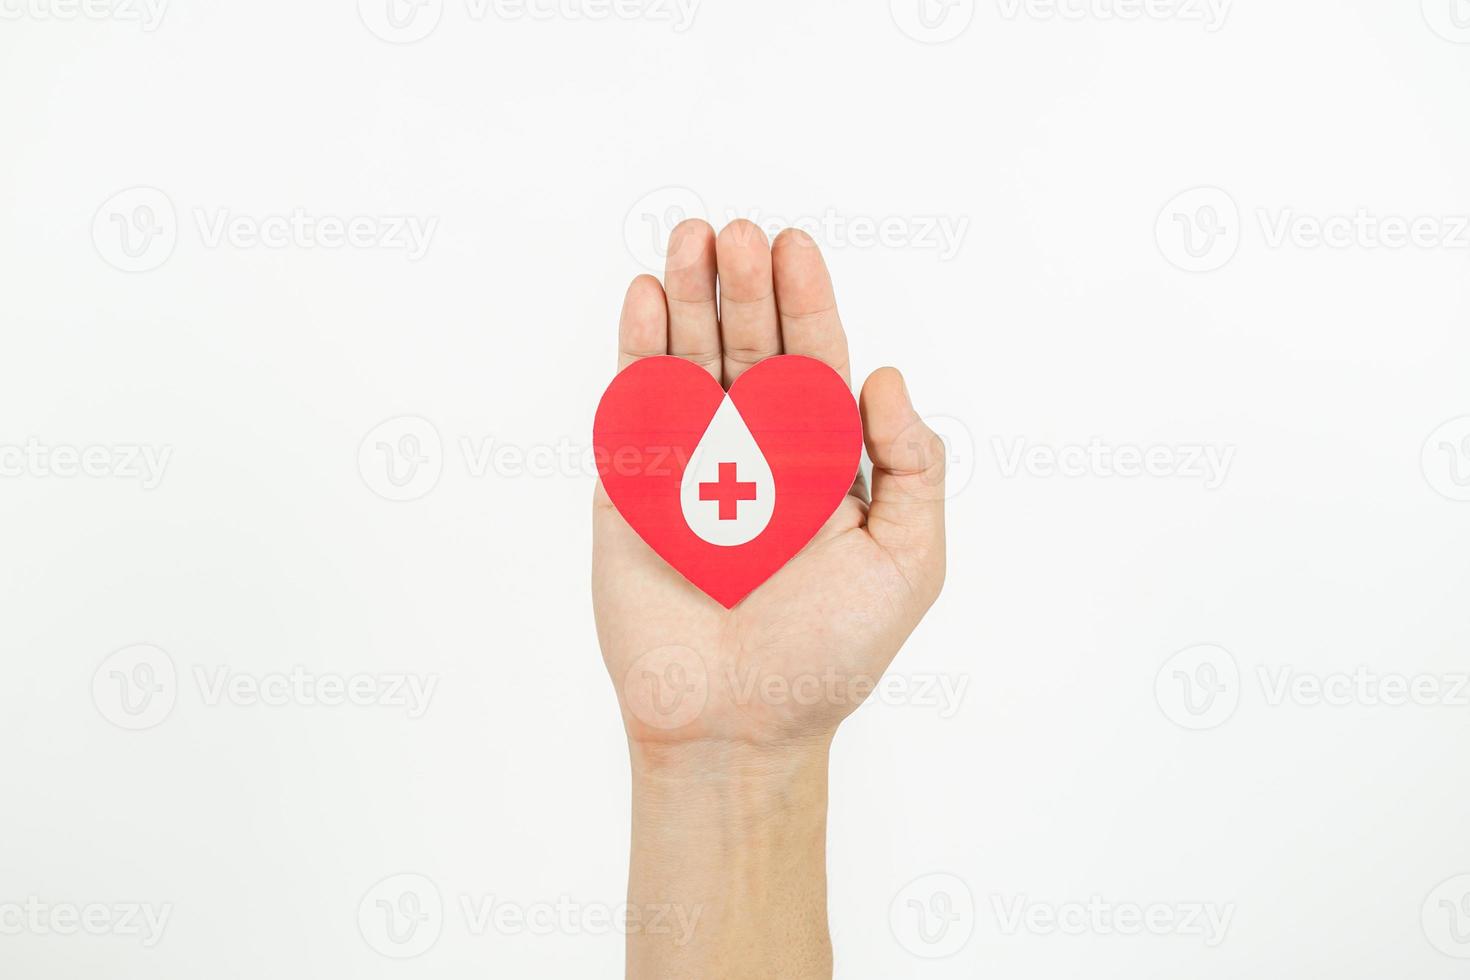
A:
(662, 768)
(688, 790)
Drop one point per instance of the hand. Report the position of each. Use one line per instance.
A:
(803, 650)
(730, 712)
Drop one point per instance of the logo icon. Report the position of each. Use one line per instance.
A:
(647, 225)
(1199, 687)
(1446, 917)
(401, 21)
(1446, 459)
(135, 688)
(1199, 230)
(959, 451)
(667, 688)
(136, 230)
(932, 21)
(728, 492)
(402, 459)
(1450, 19)
(933, 916)
(401, 916)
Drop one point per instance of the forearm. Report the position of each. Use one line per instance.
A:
(729, 848)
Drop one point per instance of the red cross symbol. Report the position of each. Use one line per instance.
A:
(727, 491)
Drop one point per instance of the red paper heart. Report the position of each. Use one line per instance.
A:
(731, 524)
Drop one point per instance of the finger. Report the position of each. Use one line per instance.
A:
(907, 513)
(805, 302)
(689, 282)
(643, 330)
(748, 327)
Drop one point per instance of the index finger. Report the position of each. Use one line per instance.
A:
(806, 303)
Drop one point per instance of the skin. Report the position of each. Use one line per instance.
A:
(730, 714)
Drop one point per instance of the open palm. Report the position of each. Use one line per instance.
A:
(801, 652)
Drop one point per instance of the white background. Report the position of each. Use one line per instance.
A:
(547, 151)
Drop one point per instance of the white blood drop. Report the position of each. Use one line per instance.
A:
(728, 493)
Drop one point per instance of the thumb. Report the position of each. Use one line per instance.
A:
(907, 514)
